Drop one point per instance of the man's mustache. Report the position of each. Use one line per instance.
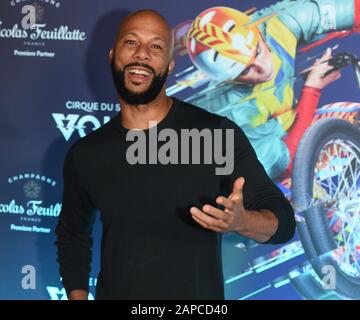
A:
(138, 64)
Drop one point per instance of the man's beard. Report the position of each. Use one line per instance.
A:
(136, 98)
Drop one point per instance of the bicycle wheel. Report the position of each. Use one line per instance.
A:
(326, 186)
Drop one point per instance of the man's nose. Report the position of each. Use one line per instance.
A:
(142, 53)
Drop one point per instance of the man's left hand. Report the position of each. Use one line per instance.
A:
(231, 218)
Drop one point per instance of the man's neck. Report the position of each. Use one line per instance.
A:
(139, 116)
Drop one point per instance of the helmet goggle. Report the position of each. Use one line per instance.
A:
(222, 42)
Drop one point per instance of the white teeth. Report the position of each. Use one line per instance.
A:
(139, 71)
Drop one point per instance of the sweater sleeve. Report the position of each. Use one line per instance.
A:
(259, 191)
(74, 230)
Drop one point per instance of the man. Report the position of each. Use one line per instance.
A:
(161, 223)
(251, 59)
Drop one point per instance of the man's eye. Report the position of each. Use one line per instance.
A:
(156, 46)
(130, 42)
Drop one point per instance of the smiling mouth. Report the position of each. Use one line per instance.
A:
(138, 71)
(138, 75)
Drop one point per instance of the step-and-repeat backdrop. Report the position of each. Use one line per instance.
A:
(56, 87)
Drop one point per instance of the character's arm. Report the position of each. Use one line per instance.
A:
(305, 110)
(311, 19)
(308, 102)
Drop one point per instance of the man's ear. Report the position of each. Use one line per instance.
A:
(111, 54)
(171, 66)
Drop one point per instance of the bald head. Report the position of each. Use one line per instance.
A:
(141, 58)
(150, 20)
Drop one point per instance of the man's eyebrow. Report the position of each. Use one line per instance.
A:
(136, 35)
(158, 38)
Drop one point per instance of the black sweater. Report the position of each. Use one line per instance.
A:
(151, 247)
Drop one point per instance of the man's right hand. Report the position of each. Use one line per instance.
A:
(78, 295)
